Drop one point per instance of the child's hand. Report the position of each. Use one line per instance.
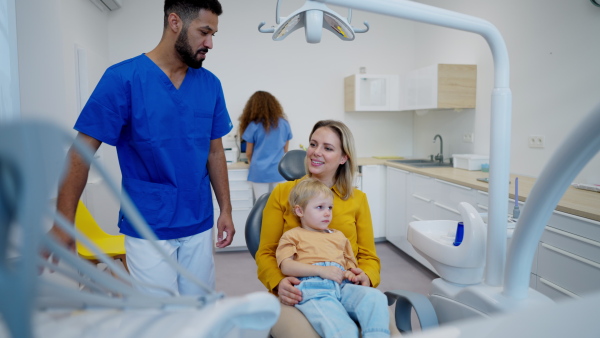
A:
(332, 273)
(350, 276)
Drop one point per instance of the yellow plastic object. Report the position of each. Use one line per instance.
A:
(111, 245)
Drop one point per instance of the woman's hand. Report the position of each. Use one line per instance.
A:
(288, 293)
(361, 277)
(349, 275)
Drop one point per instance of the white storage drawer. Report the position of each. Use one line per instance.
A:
(574, 273)
(450, 194)
(576, 225)
(420, 198)
(574, 244)
(238, 174)
(555, 292)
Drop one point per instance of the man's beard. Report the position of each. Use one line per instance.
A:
(188, 56)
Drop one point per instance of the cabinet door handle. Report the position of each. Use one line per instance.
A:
(558, 288)
(570, 255)
(575, 237)
(447, 208)
(454, 185)
(421, 198)
(482, 206)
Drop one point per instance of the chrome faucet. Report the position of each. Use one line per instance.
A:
(440, 156)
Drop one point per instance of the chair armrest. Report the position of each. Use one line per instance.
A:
(405, 301)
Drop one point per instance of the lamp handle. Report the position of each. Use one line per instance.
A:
(364, 30)
(266, 30)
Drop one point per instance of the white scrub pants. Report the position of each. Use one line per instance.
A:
(194, 253)
(263, 188)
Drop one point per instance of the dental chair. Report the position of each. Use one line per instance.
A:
(77, 299)
(291, 167)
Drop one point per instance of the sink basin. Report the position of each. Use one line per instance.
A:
(462, 263)
(422, 163)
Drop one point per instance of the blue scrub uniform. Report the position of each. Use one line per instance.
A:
(267, 151)
(162, 135)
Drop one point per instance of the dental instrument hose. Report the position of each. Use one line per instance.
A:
(516, 210)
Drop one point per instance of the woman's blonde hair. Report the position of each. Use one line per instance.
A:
(262, 107)
(344, 176)
(307, 189)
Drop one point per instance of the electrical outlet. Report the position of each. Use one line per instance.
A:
(536, 141)
(468, 138)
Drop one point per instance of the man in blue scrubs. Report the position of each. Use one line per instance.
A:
(165, 115)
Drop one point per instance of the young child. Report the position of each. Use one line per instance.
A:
(321, 258)
(264, 127)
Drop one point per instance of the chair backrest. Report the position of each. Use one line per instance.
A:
(291, 166)
(254, 224)
(85, 222)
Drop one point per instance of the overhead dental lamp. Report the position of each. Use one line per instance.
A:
(313, 16)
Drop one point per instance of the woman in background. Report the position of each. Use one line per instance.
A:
(264, 127)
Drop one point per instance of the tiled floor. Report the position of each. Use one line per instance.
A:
(236, 272)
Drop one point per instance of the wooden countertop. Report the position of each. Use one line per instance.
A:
(577, 202)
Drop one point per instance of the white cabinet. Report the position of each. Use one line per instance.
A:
(448, 197)
(440, 86)
(240, 191)
(373, 178)
(420, 198)
(368, 92)
(568, 258)
(396, 221)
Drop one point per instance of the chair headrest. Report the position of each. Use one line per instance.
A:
(291, 166)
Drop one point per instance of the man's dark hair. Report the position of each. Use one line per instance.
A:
(188, 10)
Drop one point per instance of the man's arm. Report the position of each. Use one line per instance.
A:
(217, 171)
(72, 187)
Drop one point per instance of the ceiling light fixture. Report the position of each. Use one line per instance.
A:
(313, 16)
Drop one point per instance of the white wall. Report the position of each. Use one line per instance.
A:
(306, 78)
(552, 45)
(553, 48)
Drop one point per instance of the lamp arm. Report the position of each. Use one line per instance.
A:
(277, 20)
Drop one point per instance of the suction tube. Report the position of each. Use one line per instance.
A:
(573, 154)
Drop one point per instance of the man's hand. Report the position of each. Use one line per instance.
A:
(62, 238)
(225, 230)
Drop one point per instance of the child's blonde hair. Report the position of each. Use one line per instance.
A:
(306, 190)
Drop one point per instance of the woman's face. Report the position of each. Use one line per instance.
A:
(325, 155)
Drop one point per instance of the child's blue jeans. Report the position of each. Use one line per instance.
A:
(332, 309)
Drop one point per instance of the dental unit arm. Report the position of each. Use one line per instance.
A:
(500, 111)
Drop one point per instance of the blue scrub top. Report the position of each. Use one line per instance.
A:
(162, 135)
(267, 150)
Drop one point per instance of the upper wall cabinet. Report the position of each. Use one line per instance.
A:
(440, 86)
(368, 92)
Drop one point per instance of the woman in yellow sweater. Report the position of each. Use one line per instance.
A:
(330, 158)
